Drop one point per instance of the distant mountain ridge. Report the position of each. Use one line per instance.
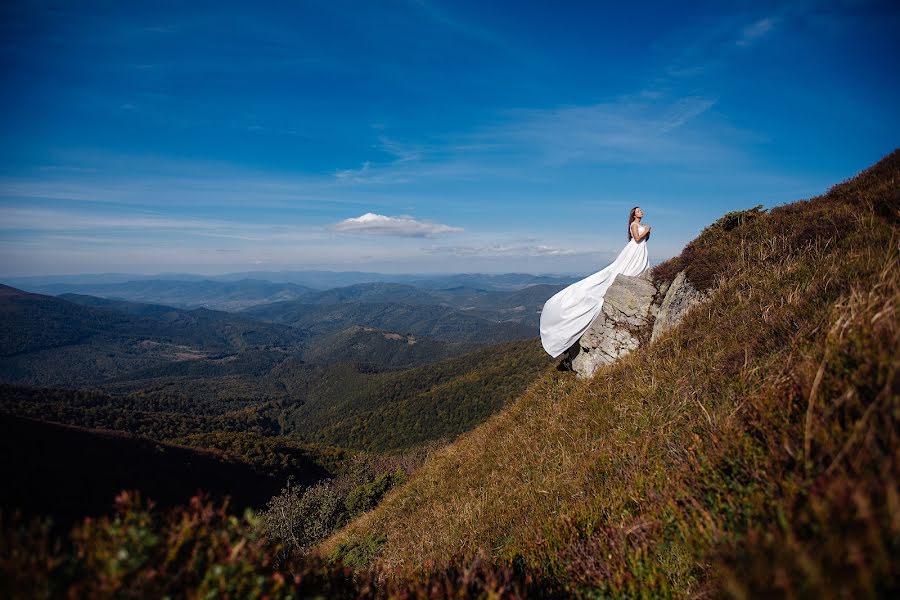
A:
(316, 279)
(173, 372)
(227, 296)
(463, 292)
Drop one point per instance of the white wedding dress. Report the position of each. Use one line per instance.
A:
(569, 312)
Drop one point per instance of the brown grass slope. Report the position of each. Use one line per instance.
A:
(753, 449)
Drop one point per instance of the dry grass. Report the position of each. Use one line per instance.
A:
(682, 468)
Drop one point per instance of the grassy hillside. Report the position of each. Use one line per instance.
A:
(751, 451)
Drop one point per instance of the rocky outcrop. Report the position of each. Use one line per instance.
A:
(680, 297)
(635, 311)
(623, 320)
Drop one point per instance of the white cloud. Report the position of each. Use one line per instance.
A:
(403, 226)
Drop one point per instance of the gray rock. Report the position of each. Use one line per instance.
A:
(634, 312)
(617, 329)
(680, 297)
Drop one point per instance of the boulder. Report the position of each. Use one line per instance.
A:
(635, 311)
(623, 320)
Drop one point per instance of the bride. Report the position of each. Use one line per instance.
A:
(568, 314)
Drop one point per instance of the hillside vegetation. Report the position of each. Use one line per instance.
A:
(751, 450)
(335, 405)
(382, 411)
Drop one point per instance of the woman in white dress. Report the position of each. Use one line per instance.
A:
(568, 314)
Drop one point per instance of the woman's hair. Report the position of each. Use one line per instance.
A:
(630, 219)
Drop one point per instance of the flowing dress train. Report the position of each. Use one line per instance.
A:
(569, 312)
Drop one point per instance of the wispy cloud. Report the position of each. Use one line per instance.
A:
(501, 250)
(354, 174)
(478, 33)
(519, 143)
(755, 31)
(403, 226)
(61, 224)
(13, 218)
(402, 152)
(626, 130)
(696, 53)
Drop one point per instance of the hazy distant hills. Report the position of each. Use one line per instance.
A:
(219, 295)
(321, 280)
(77, 339)
(336, 372)
(289, 386)
(456, 312)
(372, 292)
(82, 340)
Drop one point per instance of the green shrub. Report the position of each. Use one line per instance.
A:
(364, 497)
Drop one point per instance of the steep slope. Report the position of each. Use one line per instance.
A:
(752, 450)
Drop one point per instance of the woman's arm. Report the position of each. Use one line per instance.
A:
(634, 231)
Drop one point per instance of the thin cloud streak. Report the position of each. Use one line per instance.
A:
(755, 31)
(501, 250)
(612, 132)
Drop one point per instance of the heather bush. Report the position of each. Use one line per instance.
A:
(200, 551)
(300, 517)
(196, 551)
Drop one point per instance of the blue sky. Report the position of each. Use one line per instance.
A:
(417, 135)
